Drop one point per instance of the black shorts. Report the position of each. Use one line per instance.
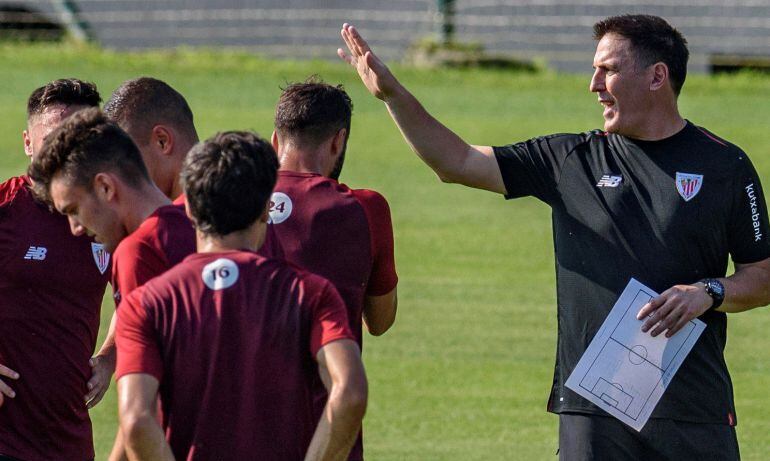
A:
(593, 437)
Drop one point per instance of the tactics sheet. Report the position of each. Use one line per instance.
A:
(625, 371)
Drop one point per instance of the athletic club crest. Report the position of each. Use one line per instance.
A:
(688, 185)
(101, 257)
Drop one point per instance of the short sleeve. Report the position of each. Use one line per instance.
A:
(533, 168)
(134, 263)
(748, 230)
(383, 278)
(329, 318)
(136, 338)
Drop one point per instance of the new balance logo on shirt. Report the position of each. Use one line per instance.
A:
(36, 253)
(609, 181)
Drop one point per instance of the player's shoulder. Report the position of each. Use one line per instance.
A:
(369, 198)
(170, 217)
(12, 189)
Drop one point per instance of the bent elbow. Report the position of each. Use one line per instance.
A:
(381, 329)
(446, 177)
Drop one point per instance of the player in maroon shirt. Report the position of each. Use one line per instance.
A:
(231, 340)
(113, 197)
(160, 121)
(161, 124)
(342, 234)
(51, 288)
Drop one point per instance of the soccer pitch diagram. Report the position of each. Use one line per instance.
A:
(625, 371)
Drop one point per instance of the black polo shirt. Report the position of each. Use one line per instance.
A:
(665, 212)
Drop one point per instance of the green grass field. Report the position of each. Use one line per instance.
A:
(465, 372)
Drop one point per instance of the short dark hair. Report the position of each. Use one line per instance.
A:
(228, 180)
(139, 104)
(85, 144)
(313, 111)
(67, 91)
(653, 40)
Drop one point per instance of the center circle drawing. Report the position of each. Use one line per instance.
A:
(637, 355)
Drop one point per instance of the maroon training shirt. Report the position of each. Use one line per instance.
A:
(232, 337)
(51, 289)
(342, 234)
(271, 248)
(163, 240)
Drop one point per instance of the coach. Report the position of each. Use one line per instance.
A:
(654, 197)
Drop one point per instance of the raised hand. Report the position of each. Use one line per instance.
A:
(373, 72)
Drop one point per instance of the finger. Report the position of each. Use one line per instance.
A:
(678, 326)
(8, 373)
(359, 41)
(95, 400)
(348, 41)
(344, 56)
(658, 315)
(666, 323)
(6, 390)
(650, 307)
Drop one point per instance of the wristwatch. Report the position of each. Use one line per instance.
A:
(716, 290)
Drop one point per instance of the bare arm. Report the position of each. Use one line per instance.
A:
(144, 438)
(447, 154)
(747, 288)
(380, 312)
(102, 367)
(339, 364)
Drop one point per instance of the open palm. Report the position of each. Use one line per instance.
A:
(375, 75)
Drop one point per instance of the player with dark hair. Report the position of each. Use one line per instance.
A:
(51, 289)
(230, 340)
(160, 121)
(93, 173)
(342, 234)
(666, 201)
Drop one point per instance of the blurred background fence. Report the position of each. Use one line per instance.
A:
(722, 34)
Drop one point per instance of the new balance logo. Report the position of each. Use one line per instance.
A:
(609, 181)
(36, 253)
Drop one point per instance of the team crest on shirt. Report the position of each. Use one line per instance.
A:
(280, 207)
(688, 185)
(101, 257)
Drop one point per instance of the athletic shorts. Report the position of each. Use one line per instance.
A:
(592, 437)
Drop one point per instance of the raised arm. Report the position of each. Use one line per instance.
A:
(447, 154)
(340, 367)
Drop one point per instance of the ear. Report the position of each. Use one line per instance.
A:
(105, 187)
(188, 212)
(338, 142)
(659, 76)
(27, 143)
(274, 141)
(162, 137)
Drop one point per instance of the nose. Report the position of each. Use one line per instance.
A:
(75, 227)
(597, 81)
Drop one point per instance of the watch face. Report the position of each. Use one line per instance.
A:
(716, 289)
